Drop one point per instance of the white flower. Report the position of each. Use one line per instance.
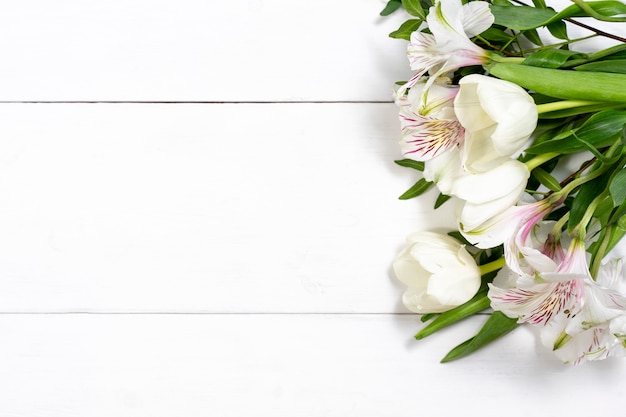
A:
(439, 272)
(599, 330)
(489, 193)
(540, 296)
(505, 226)
(498, 117)
(429, 125)
(448, 46)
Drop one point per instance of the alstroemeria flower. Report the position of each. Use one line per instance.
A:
(505, 226)
(449, 47)
(537, 299)
(599, 330)
(498, 116)
(535, 247)
(490, 193)
(439, 273)
(428, 122)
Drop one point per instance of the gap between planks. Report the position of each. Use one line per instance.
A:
(197, 102)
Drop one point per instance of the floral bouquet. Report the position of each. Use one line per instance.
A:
(527, 136)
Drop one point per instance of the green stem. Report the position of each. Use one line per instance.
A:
(562, 105)
(540, 159)
(577, 182)
(492, 266)
(558, 226)
(560, 44)
(581, 228)
(604, 244)
(589, 10)
(506, 59)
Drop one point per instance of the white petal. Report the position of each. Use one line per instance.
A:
(506, 179)
(444, 170)
(476, 17)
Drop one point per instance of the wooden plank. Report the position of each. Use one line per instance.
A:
(196, 50)
(216, 208)
(280, 365)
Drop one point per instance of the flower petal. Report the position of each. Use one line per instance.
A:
(476, 17)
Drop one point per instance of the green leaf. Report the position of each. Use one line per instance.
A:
(414, 8)
(428, 316)
(419, 188)
(496, 35)
(617, 66)
(392, 6)
(546, 179)
(617, 188)
(588, 192)
(550, 58)
(605, 8)
(405, 29)
(521, 17)
(478, 303)
(601, 129)
(410, 163)
(558, 29)
(575, 111)
(533, 36)
(496, 326)
(442, 198)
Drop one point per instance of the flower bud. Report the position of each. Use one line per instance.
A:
(439, 272)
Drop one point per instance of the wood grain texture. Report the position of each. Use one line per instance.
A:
(280, 365)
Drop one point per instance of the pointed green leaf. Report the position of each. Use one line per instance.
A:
(428, 316)
(546, 179)
(496, 326)
(442, 198)
(410, 163)
(521, 17)
(478, 303)
(419, 188)
(533, 36)
(414, 8)
(405, 29)
(558, 29)
(550, 58)
(392, 6)
(601, 129)
(617, 188)
(617, 66)
(496, 35)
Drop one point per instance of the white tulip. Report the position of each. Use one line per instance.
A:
(439, 272)
(490, 193)
(484, 195)
(498, 117)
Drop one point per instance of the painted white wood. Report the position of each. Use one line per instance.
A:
(217, 208)
(198, 50)
(282, 365)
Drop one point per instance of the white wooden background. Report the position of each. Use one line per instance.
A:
(198, 213)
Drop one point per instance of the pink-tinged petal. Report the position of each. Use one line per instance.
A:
(424, 138)
(423, 52)
(537, 305)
